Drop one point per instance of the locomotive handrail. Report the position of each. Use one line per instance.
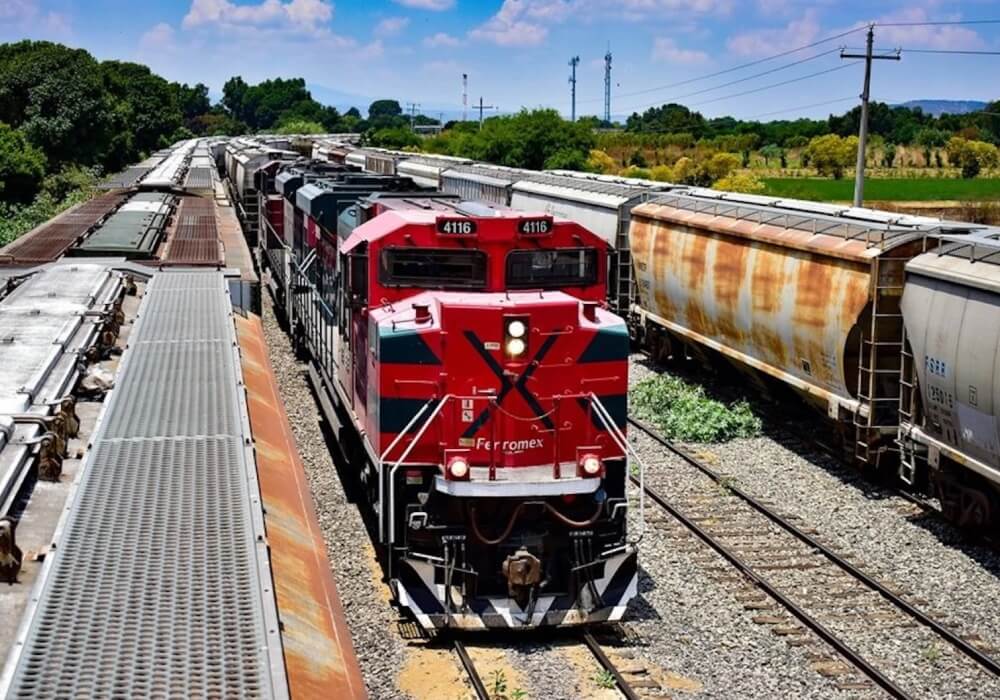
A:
(626, 447)
(399, 463)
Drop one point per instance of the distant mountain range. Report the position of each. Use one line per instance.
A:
(938, 107)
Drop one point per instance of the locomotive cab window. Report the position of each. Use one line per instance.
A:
(435, 267)
(565, 267)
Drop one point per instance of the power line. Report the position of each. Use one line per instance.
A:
(940, 23)
(810, 106)
(752, 77)
(956, 51)
(774, 85)
(736, 68)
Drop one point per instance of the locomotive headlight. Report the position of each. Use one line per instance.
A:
(516, 329)
(458, 468)
(515, 347)
(590, 465)
(515, 336)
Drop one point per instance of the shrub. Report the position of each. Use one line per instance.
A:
(662, 173)
(971, 156)
(740, 182)
(682, 411)
(832, 154)
(633, 171)
(600, 162)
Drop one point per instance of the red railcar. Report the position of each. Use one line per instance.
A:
(478, 383)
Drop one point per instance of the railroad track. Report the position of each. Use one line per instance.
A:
(606, 664)
(821, 591)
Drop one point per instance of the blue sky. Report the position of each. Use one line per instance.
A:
(516, 51)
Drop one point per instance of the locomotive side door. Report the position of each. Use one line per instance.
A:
(352, 326)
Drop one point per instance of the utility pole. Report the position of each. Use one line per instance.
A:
(859, 174)
(481, 108)
(573, 62)
(465, 97)
(607, 87)
(413, 113)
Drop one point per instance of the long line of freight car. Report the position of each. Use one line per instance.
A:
(888, 324)
(157, 537)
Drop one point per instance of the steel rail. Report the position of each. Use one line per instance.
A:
(470, 669)
(983, 659)
(608, 665)
(801, 615)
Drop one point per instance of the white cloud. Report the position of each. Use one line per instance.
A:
(509, 28)
(766, 41)
(160, 36)
(27, 16)
(441, 39)
(935, 37)
(666, 49)
(444, 67)
(391, 26)
(303, 15)
(524, 22)
(432, 5)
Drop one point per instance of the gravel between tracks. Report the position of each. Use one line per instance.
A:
(380, 649)
(945, 575)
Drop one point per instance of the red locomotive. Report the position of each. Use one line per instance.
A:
(477, 376)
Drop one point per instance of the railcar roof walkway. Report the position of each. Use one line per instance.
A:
(158, 580)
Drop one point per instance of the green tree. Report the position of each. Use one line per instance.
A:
(394, 137)
(929, 139)
(972, 156)
(832, 154)
(233, 94)
(192, 101)
(353, 112)
(772, 151)
(22, 166)
(145, 111)
(566, 159)
(300, 127)
(56, 97)
(384, 108)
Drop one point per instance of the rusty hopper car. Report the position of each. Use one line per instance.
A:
(805, 294)
(949, 426)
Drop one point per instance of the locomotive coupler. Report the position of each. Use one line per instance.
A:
(523, 572)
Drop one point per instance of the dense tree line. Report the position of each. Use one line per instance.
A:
(896, 125)
(534, 139)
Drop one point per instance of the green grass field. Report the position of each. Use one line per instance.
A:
(885, 190)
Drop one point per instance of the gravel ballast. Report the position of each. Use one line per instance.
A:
(372, 620)
(953, 580)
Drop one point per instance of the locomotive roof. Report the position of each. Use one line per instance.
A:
(387, 223)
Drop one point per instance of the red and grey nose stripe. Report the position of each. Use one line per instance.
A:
(506, 385)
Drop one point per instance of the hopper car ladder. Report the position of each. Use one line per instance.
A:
(879, 357)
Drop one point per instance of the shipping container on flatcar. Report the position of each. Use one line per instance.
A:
(950, 407)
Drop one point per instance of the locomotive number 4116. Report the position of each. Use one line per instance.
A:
(456, 227)
(535, 227)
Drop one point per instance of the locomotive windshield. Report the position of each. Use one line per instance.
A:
(566, 267)
(436, 268)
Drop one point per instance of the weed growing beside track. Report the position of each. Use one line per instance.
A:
(683, 411)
